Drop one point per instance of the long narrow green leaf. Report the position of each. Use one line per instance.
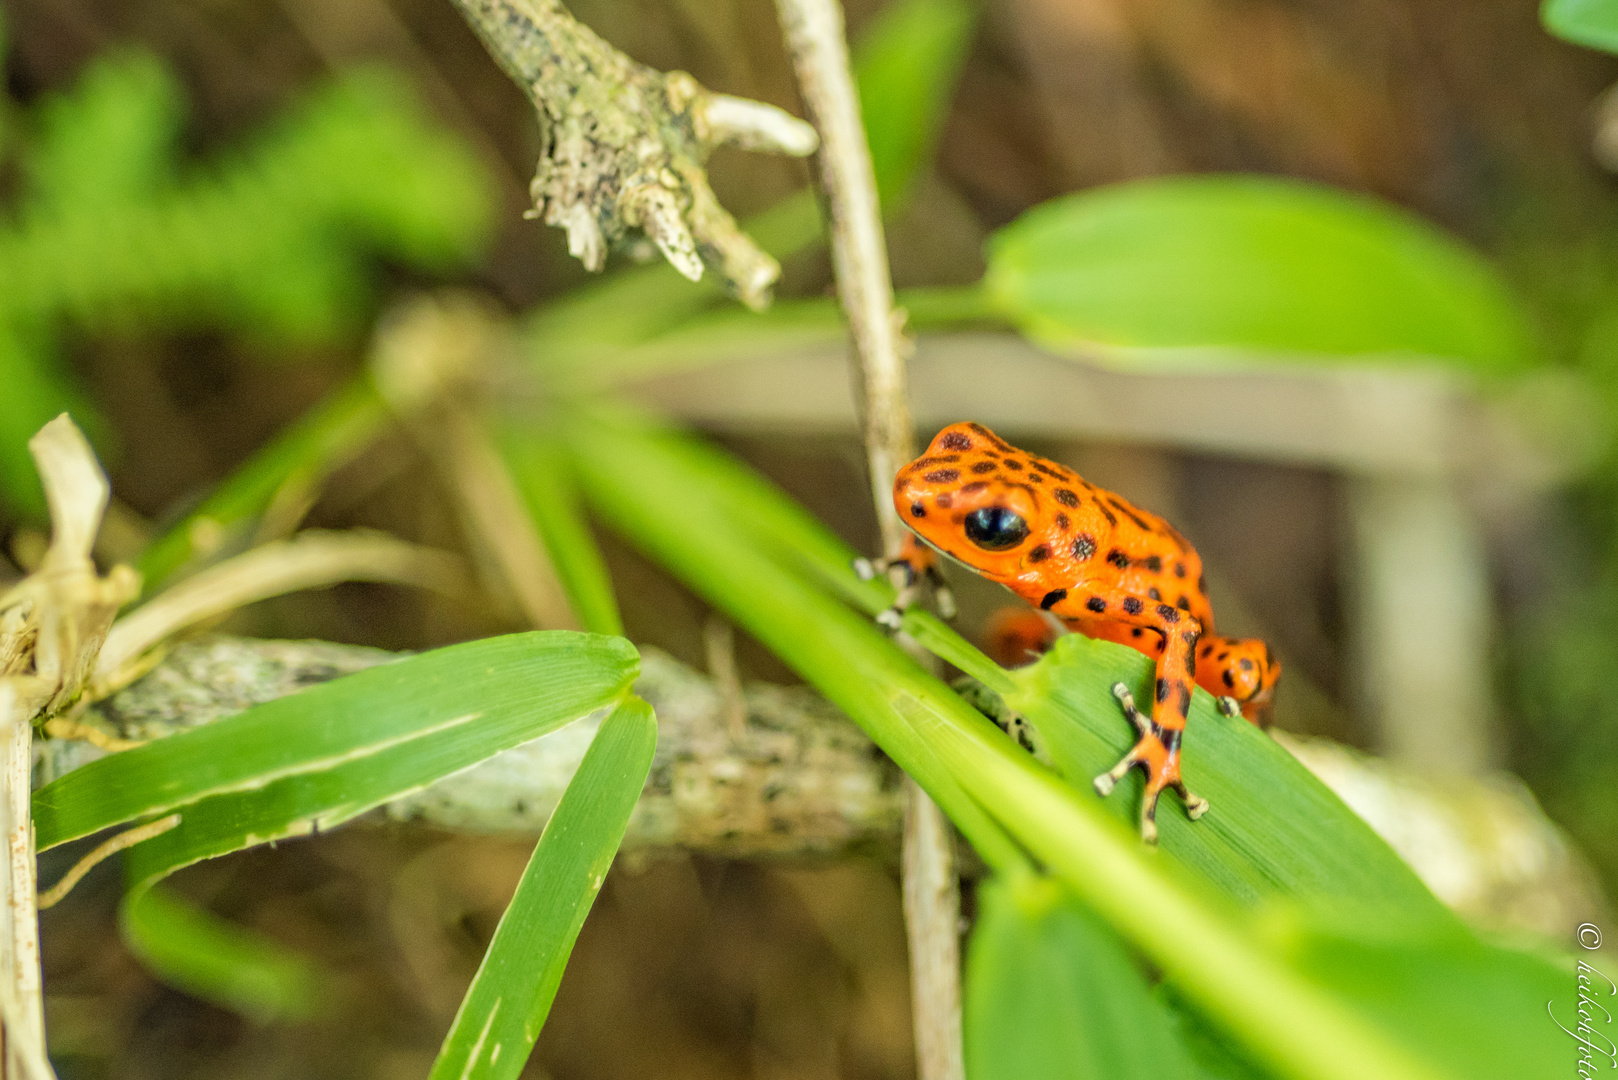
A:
(544, 476)
(506, 1006)
(220, 962)
(1232, 972)
(1591, 23)
(326, 437)
(319, 757)
(1051, 995)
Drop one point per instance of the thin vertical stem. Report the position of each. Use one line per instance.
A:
(815, 38)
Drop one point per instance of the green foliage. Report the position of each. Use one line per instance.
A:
(501, 1015)
(1255, 264)
(1592, 23)
(1257, 977)
(221, 962)
(909, 60)
(269, 238)
(1050, 994)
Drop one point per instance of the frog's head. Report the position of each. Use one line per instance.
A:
(970, 496)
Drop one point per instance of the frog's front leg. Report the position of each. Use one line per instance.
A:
(915, 562)
(1158, 750)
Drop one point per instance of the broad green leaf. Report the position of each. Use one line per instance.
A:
(217, 961)
(1052, 995)
(1275, 267)
(907, 64)
(319, 757)
(506, 1006)
(294, 462)
(1591, 23)
(544, 476)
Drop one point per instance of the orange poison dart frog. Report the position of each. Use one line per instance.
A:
(1104, 567)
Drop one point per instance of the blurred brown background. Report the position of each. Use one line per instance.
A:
(1468, 114)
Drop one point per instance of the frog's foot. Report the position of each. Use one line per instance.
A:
(1229, 705)
(908, 582)
(1158, 754)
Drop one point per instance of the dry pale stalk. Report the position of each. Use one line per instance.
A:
(815, 38)
(624, 145)
(426, 357)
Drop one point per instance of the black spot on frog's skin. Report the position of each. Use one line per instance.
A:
(1162, 689)
(1118, 559)
(1154, 564)
(1183, 604)
(1084, 546)
(1179, 569)
(1190, 638)
(1136, 632)
(1039, 554)
(1168, 614)
(917, 510)
(1036, 478)
(1133, 605)
(943, 476)
(944, 501)
(1185, 700)
(955, 441)
(1269, 657)
(1096, 604)
(1153, 593)
(1207, 649)
(1246, 664)
(1223, 657)
(1062, 522)
(1066, 497)
(984, 467)
(1052, 598)
(976, 485)
(1202, 584)
(1013, 463)
(1171, 739)
(1112, 519)
(942, 459)
(1230, 683)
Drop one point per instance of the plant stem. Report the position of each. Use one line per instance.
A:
(815, 39)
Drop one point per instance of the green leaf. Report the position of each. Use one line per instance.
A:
(217, 961)
(35, 392)
(544, 476)
(1256, 264)
(319, 757)
(506, 1006)
(1050, 994)
(1299, 839)
(907, 64)
(1592, 23)
(295, 461)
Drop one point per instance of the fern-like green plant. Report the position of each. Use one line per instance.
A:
(272, 238)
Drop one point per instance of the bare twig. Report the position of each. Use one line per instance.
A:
(625, 145)
(815, 39)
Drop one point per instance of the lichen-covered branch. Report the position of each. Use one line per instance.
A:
(625, 145)
(796, 779)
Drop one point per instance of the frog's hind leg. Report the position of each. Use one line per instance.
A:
(1157, 753)
(1240, 670)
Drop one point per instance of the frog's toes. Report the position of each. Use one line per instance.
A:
(1230, 706)
(893, 618)
(865, 569)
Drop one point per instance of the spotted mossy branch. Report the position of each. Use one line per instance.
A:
(624, 145)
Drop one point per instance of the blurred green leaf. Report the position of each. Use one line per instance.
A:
(221, 962)
(319, 757)
(1258, 264)
(1050, 994)
(544, 475)
(35, 391)
(1591, 23)
(111, 139)
(506, 1006)
(908, 61)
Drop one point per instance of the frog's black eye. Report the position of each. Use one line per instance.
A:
(994, 528)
